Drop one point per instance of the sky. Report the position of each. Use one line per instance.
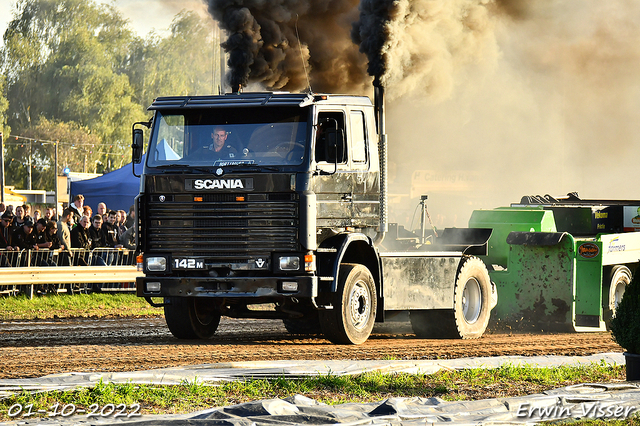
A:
(145, 15)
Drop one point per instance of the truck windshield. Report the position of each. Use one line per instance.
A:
(228, 137)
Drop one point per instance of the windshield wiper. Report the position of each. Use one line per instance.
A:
(181, 168)
(250, 168)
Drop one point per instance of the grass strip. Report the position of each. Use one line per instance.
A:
(57, 306)
(474, 384)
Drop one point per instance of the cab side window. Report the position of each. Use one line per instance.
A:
(358, 137)
(331, 138)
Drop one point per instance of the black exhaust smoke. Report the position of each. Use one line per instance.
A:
(264, 48)
(412, 46)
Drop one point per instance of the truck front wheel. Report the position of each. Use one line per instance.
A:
(354, 307)
(191, 318)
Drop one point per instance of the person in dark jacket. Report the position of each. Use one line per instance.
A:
(51, 236)
(6, 238)
(24, 237)
(6, 231)
(110, 231)
(81, 239)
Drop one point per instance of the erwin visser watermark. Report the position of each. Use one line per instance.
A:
(591, 409)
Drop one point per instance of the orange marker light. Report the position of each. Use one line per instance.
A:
(200, 199)
(240, 198)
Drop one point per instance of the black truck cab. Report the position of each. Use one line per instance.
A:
(265, 199)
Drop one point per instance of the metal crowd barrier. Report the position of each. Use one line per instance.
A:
(57, 271)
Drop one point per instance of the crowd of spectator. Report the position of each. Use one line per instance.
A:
(76, 228)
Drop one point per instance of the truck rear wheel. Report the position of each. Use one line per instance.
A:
(472, 307)
(354, 307)
(191, 318)
(620, 278)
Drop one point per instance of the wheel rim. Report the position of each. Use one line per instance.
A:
(359, 305)
(471, 300)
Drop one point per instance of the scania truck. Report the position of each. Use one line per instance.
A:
(289, 221)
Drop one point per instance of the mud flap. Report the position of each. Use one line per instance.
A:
(470, 241)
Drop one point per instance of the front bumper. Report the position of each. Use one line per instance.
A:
(262, 288)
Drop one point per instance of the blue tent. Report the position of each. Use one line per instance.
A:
(116, 189)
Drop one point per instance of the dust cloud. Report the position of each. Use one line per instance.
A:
(489, 100)
(557, 111)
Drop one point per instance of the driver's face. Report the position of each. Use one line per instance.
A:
(219, 138)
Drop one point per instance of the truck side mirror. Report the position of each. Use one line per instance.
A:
(334, 146)
(137, 146)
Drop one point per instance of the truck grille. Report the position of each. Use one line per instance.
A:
(224, 228)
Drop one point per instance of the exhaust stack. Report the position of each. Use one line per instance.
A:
(378, 101)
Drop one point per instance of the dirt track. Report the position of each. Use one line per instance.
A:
(33, 349)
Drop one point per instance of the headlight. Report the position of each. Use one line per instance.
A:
(156, 264)
(289, 263)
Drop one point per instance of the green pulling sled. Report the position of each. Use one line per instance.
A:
(560, 264)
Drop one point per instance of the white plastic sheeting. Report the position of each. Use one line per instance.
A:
(587, 400)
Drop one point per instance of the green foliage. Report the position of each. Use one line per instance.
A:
(78, 148)
(75, 306)
(4, 105)
(78, 65)
(181, 64)
(625, 326)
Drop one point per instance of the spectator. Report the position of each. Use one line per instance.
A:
(51, 236)
(99, 239)
(76, 207)
(131, 217)
(111, 231)
(64, 224)
(102, 211)
(27, 210)
(24, 237)
(41, 238)
(120, 218)
(36, 216)
(81, 239)
(96, 233)
(6, 237)
(128, 239)
(49, 214)
(88, 212)
(18, 220)
(3, 208)
(6, 231)
(10, 208)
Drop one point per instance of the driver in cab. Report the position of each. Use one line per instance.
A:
(219, 149)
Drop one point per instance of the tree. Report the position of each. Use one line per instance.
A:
(64, 60)
(184, 63)
(4, 105)
(78, 149)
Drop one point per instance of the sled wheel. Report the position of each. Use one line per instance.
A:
(354, 307)
(619, 279)
(191, 318)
